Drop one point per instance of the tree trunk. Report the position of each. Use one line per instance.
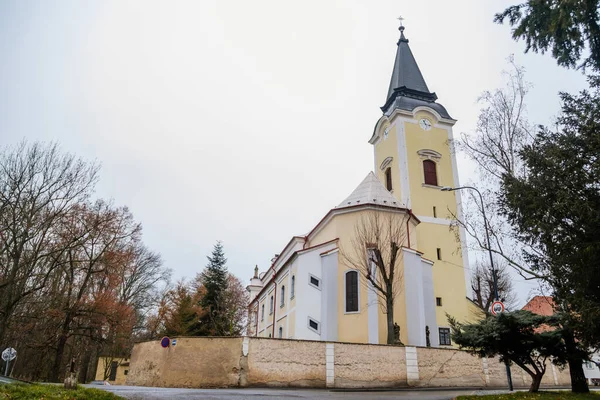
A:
(390, 320)
(60, 350)
(578, 380)
(536, 380)
(575, 359)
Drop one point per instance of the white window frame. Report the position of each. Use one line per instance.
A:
(280, 332)
(318, 330)
(312, 284)
(271, 306)
(282, 293)
(293, 287)
(262, 317)
(358, 284)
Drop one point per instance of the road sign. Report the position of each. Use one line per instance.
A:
(173, 342)
(497, 307)
(9, 354)
(165, 342)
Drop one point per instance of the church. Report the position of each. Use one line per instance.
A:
(315, 289)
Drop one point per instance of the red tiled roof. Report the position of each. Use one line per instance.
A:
(541, 305)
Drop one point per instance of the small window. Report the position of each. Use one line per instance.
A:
(126, 372)
(271, 306)
(293, 287)
(262, 314)
(438, 301)
(439, 253)
(280, 332)
(445, 337)
(316, 282)
(386, 132)
(388, 178)
(282, 296)
(269, 335)
(429, 169)
(434, 212)
(351, 291)
(314, 325)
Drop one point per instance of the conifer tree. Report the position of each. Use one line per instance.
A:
(215, 282)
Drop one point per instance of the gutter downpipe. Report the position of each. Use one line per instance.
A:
(407, 228)
(274, 303)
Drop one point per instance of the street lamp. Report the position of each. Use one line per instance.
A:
(487, 237)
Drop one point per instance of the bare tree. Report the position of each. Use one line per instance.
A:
(376, 252)
(482, 283)
(38, 187)
(501, 133)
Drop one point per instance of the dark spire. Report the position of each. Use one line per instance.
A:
(407, 80)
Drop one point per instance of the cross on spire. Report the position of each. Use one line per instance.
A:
(401, 18)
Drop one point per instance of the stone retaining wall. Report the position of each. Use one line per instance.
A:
(242, 362)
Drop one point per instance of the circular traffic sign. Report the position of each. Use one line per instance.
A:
(497, 307)
(9, 354)
(165, 342)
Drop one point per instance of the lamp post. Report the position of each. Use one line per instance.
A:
(494, 276)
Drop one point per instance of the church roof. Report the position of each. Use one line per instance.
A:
(408, 89)
(371, 191)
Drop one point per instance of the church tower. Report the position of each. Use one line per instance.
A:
(414, 160)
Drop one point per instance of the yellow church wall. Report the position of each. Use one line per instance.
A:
(424, 198)
(384, 149)
(448, 273)
(279, 308)
(291, 324)
(353, 327)
(281, 322)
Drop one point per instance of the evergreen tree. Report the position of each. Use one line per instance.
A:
(520, 337)
(566, 28)
(214, 279)
(555, 206)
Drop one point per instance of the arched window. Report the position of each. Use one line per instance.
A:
(280, 332)
(429, 169)
(262, 315)
(282, 296)
(351, 291)
(271, 306)
(293, 287)
(388, 178)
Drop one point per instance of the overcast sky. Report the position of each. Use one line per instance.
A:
(241, 121)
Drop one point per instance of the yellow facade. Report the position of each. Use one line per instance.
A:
(352, 327)
(449, 271)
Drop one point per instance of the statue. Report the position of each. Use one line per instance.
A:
(427, 340)
(397, 334)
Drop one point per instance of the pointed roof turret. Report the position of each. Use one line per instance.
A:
(407, 88)
(371, 191)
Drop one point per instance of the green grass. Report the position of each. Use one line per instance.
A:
(535, 396)
(52, 392)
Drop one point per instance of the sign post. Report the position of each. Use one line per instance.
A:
(8, 355)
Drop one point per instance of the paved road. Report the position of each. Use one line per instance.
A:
(143, 393)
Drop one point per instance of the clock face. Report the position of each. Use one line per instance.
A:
(425, 124)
